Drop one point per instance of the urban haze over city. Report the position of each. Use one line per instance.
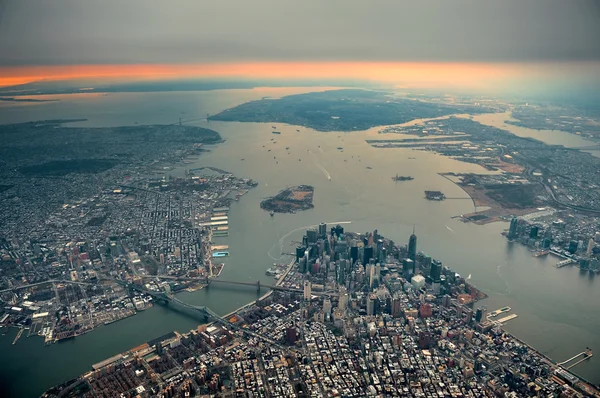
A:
(299, 198)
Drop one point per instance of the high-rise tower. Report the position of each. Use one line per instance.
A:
(512, 231)
(412, 246)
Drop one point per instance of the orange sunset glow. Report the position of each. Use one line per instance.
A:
(475, 75)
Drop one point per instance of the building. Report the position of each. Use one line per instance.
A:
(354, 254)
(291, 335)
(327, 306)
(311, 236)
(371, 300)
(481, 314)
(368, 254)
(418, 281)
(573, 246)
(343, 301)
(590, 247)
(412, 246)
(307, 290)
(408, 268)
(533, 233)
(436, 271)
(446, 301)
(425, 310)
(396, 306)
(512, 231)
(322, 230)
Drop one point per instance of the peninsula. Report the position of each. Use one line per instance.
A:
(290, 200)
(341, 110)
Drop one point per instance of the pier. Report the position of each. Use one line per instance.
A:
(583, 355)
(18, 336)
(564, 263)
(507, 318)
(498, 312)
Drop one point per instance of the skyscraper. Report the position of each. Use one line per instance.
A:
(512, 231)
(590, 247)
(368, 254)
(408, 267)
(322, 230)
(354, 254)
(533, 233)
(412, 246)
(436, 271)
(311, 234)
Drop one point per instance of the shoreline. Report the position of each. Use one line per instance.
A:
(497, 210)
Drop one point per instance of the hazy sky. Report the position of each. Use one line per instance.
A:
(420, 43)
(40, 32)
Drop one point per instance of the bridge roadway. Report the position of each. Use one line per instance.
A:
(161, 296)
(257, 284)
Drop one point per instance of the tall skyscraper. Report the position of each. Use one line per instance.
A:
(408, 267)
(412, 246)
(371, 299)
(590, 247)
(436, 271)
(354, 254)
(533, 233)
(311, 235)
(368, 254)
(322, 230)
(512, 231)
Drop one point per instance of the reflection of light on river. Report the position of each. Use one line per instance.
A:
(284, 237)
(507, 287)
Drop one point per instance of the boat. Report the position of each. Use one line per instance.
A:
(402, 178)
(271, 213)
(276, 132)
(541, 253)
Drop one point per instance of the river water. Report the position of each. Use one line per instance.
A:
(558, 309)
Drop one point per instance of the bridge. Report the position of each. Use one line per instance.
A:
(209, 281)
(203, 310)
(257, 284)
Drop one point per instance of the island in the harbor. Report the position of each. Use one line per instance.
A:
(342, 110)
(434, 195)
(290, 200)
(397, 178)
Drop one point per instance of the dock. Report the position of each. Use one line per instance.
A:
(498, 312)
(584, 356)
(507, 318)
(564, 263)
(18, 336)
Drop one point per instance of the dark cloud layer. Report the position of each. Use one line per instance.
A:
(38, 32)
